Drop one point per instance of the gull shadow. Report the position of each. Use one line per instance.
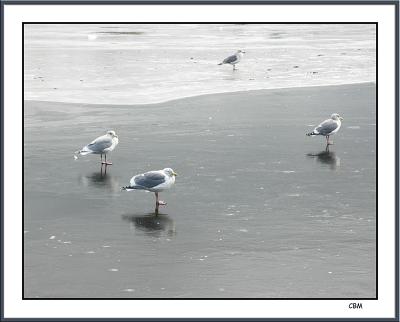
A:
(326, 157)
(152, 224)
(100, 179)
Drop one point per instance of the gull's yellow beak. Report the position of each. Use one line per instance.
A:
(174, 174)
(341, 118)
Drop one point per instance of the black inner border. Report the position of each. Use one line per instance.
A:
(204, 298)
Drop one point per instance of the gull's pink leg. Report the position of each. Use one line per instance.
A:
(105, 158)
(159, 202)
(156, 210)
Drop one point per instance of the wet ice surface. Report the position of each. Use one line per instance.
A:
(135, 64)
(258, 210)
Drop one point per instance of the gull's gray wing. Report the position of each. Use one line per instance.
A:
(230, 59)
(326, 127)
(99, 144)
(148, 180)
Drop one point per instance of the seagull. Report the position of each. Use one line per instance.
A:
(234, 59)
(154, 181)
(101, 145)
(328, 127)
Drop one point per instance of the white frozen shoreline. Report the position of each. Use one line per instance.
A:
(202, 94)
(148, 64)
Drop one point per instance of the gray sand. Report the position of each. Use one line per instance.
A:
(259, 210)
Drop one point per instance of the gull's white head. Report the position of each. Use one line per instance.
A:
(112, 134)
(169, 172)
(336, 117)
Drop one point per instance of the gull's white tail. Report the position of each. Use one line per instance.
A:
(129, 188)
(81, 152)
